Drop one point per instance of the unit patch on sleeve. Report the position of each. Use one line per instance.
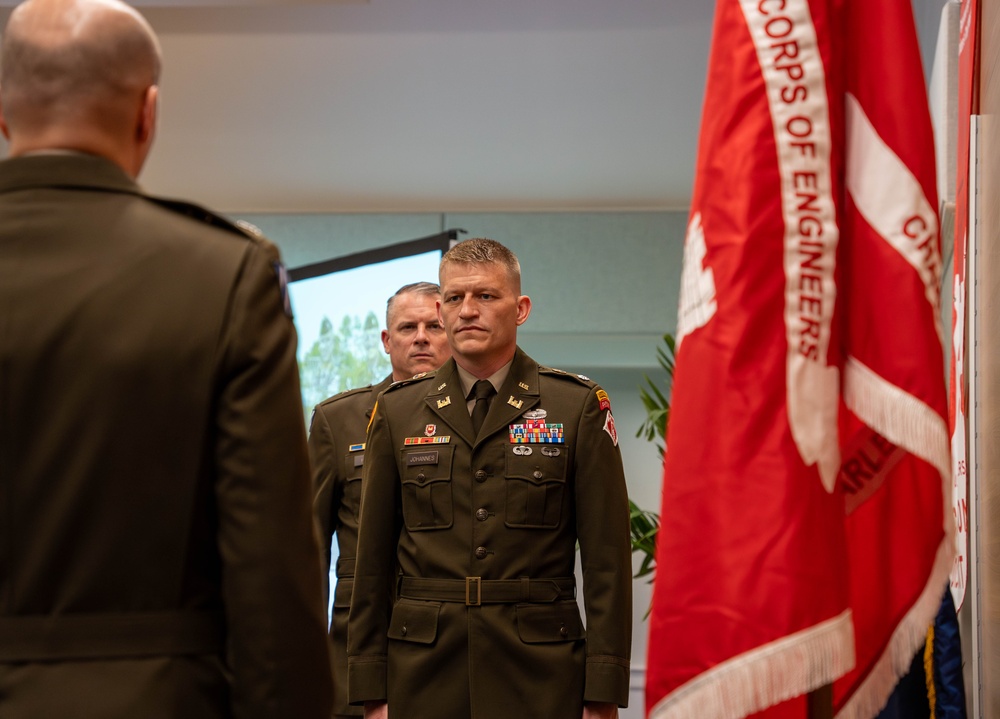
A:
(609, 427)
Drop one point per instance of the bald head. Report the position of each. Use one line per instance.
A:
(75, 72)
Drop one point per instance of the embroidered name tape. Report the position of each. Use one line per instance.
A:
(422, 457)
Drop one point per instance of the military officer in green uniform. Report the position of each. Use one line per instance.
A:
(415, 342)
(157, 552)
(479, 480)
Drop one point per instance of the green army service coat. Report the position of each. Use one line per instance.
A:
(337, 450)
(157, 551)
(485, 531)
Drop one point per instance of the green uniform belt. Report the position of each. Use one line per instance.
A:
(474, 591)
(29, 638)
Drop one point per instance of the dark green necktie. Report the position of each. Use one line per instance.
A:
(483, 391)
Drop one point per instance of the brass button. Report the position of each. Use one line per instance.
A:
(538, 474)
(481, 552)
(482, 515)
(403, 630)
(481, 475)
(563, 631)
(421, 477)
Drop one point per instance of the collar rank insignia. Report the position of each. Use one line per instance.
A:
(515, 403)
(444, 402)
(523, 385)
(356, 447)
(426, 440)
(442, 386)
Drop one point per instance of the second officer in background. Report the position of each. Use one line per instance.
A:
(415, 342)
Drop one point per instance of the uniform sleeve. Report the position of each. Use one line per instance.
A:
(605, 552)
(326, 489)
(277, 644)
(376, 560)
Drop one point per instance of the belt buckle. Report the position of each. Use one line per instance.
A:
(471, 582)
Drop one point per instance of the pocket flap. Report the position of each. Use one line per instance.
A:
(414, 621)
(542, 623)
(342, 593)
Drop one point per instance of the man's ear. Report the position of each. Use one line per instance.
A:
(3, 123)
(146, 125)
(385, 341)
(145, 128)
(523, 309)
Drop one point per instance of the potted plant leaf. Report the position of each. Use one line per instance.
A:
(644, 524)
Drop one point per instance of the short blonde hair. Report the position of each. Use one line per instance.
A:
(483, 251)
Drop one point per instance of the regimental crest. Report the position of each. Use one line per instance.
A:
(430, 430)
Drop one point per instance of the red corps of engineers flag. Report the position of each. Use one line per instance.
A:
(805, 536)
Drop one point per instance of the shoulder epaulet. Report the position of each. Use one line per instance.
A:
(346, 393)
(201, 214)
(582, 379)
(415, 378)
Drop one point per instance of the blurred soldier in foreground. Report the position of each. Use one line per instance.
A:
(157, 553)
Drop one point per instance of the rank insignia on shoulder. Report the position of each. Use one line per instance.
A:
(584, 377)
(427, 440)
(356, 447)
(602, 397)
(444, 402)
(609, 427)
(282, 273)
(419, 375)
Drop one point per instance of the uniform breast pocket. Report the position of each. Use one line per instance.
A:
(353, 464)
(427, 487)
(536, 485)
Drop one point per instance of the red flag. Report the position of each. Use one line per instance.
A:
(968, 105)
(803, 527)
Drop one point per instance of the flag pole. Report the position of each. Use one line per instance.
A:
(819, 703)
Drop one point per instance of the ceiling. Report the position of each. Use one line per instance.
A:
(429, 105)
